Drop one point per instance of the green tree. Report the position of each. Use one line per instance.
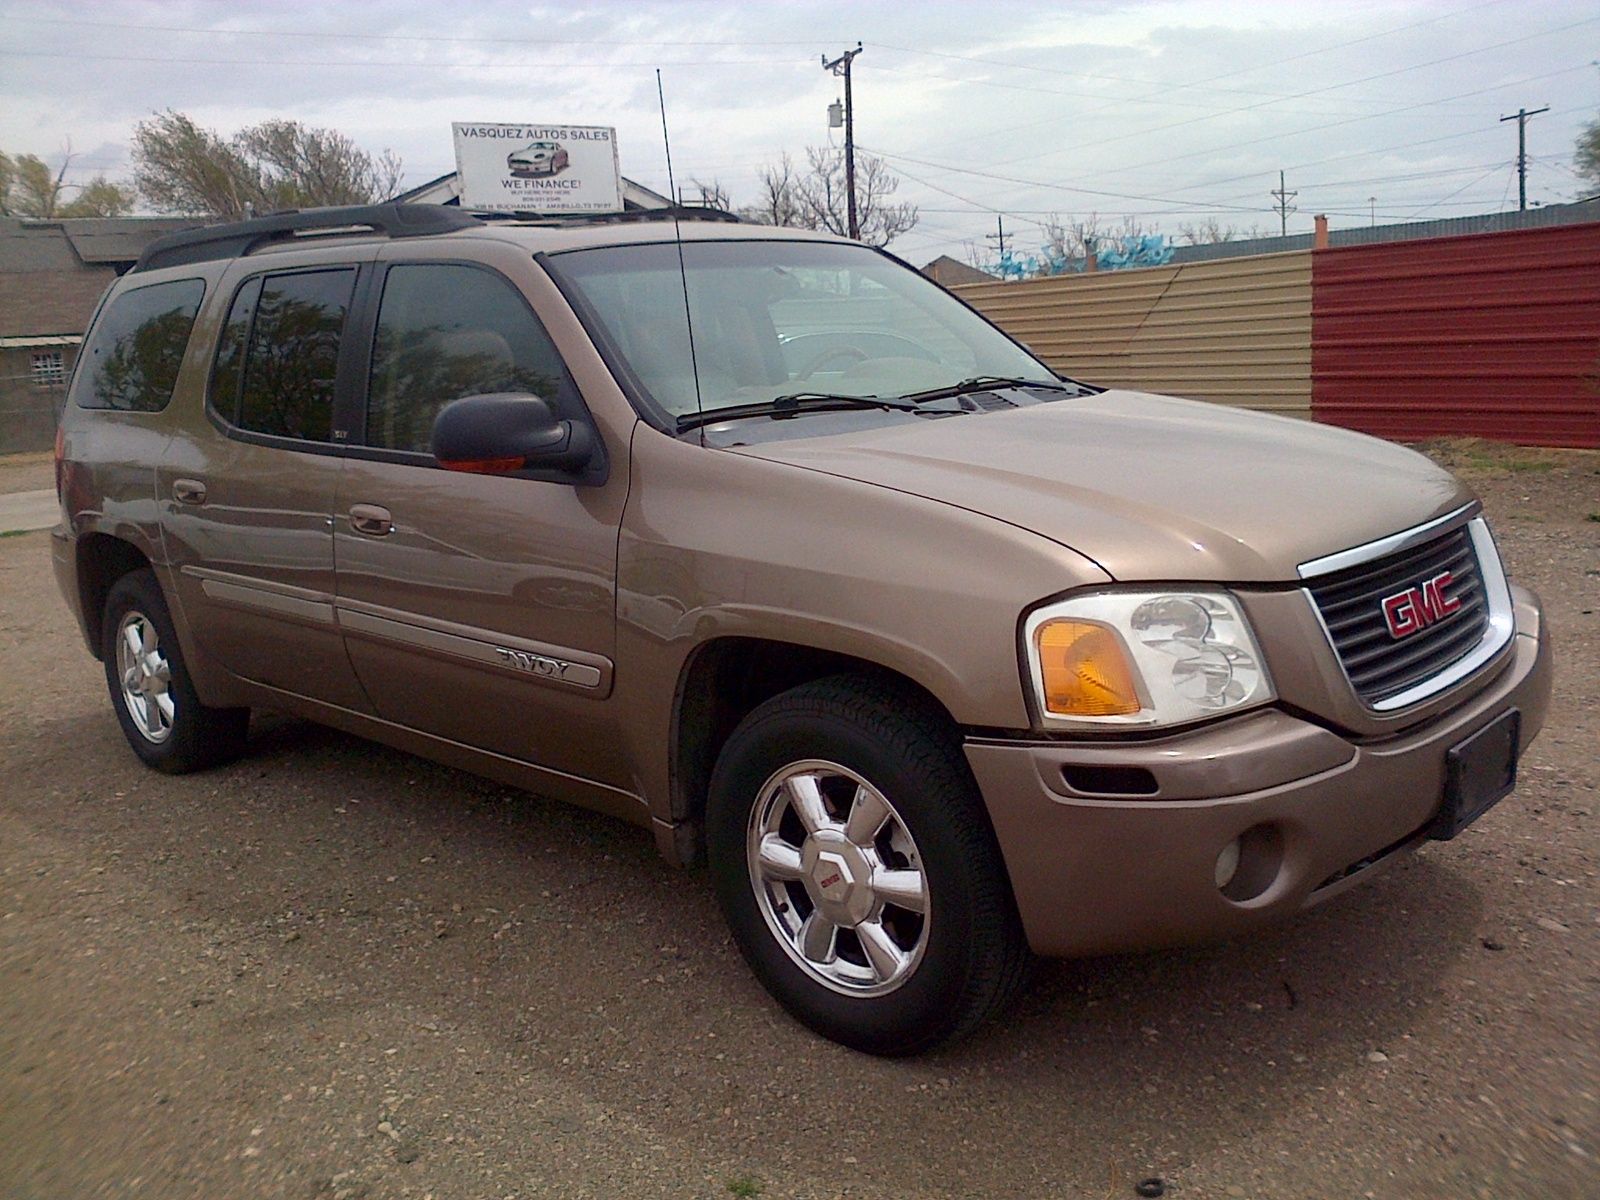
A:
(29, 188)
(180, 166)
(99, 198)
(1586, 156)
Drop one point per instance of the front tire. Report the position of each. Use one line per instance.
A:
(151, 692)
(855, 864)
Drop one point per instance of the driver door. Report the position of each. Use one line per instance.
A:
(476, 608)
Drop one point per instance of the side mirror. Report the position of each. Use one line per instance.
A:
(505, 432)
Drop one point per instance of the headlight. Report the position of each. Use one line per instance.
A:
(1142, 659)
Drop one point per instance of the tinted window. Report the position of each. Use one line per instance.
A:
(292, 358)
(450, 331)
(229, 368)
(132, 358)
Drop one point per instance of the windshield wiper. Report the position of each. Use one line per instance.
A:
(988, 383)
(799, 402)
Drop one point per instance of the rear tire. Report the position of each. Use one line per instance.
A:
(151, 692)
(856, 866)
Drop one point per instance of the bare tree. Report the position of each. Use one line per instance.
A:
(815, 197)
(1211, 231)
(181, 167)
(779, 203)
(1072, 241)
(1206, 233)
(713, 195)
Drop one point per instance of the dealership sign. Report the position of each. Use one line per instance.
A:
(538, 168)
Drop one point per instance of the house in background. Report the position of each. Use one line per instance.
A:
(52, 274)
(948, 272)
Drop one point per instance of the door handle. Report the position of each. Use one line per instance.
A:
(188, 491)
(371, 519)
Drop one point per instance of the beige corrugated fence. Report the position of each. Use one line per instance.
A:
(1237, 331)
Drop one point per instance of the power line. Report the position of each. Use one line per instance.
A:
(333, 35)
(1162, 100)
(1331, 87)
(409, 64)
(1283, 206)
(1163, 90)
(1167, 160)
(1444, 203)
(1164, 87)
(998, 237)
(841, 67)
(1059, 187)
(1319, 162)
(1521, 118)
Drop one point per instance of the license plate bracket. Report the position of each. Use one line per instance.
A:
(1480, 771)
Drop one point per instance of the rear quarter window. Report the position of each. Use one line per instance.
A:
(278, 357)
(131, 360)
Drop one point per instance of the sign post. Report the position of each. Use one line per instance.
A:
(538, 168)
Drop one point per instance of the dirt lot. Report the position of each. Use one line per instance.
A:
(334, 971)
(26, 472)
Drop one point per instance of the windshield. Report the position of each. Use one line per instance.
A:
(772, 318)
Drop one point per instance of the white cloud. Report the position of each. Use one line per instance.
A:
(1194, 104)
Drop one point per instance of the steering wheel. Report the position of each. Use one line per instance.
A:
(847, 355)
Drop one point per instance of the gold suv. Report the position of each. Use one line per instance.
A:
(764, 542)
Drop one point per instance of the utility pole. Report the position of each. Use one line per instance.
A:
(999, 236)
(1283, 206)
(1521, 118)
(1373, 202)
(841, 66)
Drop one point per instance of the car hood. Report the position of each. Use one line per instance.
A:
(1151, 487)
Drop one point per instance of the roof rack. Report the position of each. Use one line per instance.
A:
(240, 237)
(681, 212)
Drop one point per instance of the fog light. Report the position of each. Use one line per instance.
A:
(1228, 863)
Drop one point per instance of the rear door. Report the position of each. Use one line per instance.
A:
(477, 608)
(247, 495)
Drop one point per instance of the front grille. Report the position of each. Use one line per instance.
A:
(1351, 603)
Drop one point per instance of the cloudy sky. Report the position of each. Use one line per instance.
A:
(1176, 110)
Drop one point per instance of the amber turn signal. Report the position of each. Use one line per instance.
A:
(1086, 671)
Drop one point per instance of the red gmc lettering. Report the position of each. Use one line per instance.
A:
(1416, 608)
(1434, 604)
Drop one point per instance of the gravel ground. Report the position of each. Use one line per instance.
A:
(334, 971)
(26, 472)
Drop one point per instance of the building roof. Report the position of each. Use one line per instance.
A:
(53, 272)
(35, 244)
(950, 271)
(50, 303)
(120, 239)
(1575, 213)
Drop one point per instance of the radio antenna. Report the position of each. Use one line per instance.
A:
(683, 272)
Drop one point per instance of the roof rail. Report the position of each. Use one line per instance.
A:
(240, 237)
(681, 212)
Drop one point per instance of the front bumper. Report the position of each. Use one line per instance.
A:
(1094, 874)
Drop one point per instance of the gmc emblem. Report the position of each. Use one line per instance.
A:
(1416, 608)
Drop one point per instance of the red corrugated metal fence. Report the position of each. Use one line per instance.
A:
(1493, 335)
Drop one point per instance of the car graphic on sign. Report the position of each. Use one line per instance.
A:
(537, 158)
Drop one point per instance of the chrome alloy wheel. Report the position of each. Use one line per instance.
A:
(838, 878)
(146, 677)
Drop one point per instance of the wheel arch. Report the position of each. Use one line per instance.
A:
(728, 676)
(101, 560)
